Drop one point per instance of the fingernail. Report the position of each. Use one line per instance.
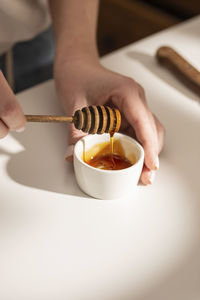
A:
(20, 129)
(157, 163)
(152, 177)
(70, 151)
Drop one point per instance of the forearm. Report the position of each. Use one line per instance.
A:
(74, 23)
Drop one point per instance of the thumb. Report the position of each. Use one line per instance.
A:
(79, 101)
(73, 136)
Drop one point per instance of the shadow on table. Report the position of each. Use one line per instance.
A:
(42, 164)
(150, 63)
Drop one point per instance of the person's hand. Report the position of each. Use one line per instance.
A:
(11, 114)
(81, 83)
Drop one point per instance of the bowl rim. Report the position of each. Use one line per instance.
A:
(141, 155)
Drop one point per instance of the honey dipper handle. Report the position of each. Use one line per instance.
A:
(178, 65)
(42, 118)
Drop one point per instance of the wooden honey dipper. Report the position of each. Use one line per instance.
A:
(92, 119)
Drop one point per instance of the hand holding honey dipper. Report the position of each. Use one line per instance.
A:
(95, 85)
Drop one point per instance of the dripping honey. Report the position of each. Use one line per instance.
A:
(108, 156)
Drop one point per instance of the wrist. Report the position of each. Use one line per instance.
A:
(69, 53)
(72, 60)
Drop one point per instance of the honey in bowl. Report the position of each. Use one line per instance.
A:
(106, 162)
(108, 156)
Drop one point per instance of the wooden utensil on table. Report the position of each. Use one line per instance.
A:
(92, 119)
(187, 73)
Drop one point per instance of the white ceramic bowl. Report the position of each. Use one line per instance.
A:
(108, 184)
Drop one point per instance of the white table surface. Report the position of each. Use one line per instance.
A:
(57, 243)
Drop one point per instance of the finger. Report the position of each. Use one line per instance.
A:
(3, 130)
(73, 136)
(148, 176)
(160, 133)
(10, 111)
(69, 154)
(138, 116)
(133, 105)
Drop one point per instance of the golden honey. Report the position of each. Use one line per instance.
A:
(108, 155)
